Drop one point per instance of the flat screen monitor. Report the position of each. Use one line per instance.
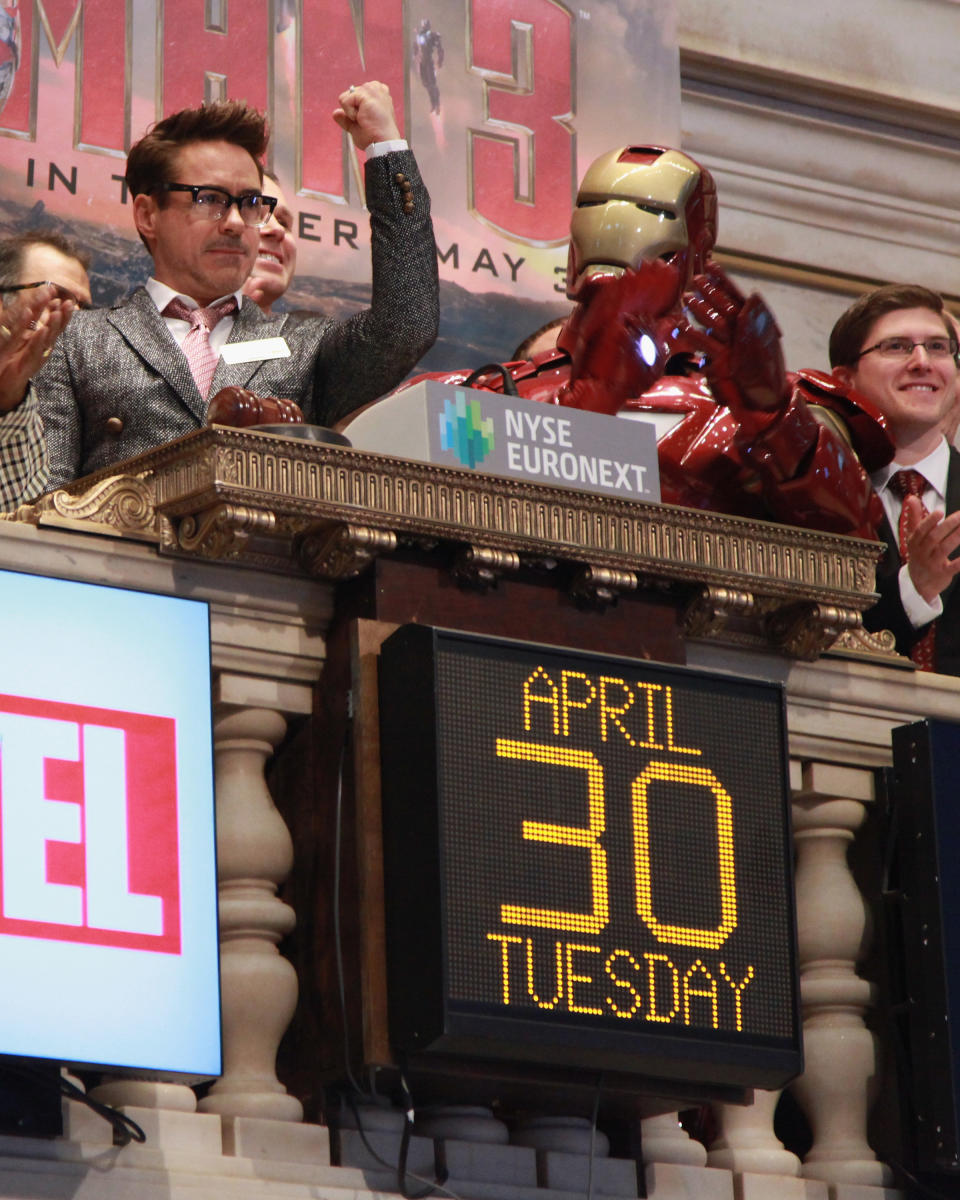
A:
(108, 891)
(587, 863)
(924, 900)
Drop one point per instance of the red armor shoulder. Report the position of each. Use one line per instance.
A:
(869, 433)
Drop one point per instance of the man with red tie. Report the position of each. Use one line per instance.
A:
(896, 347)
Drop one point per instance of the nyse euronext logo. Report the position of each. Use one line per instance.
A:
(464, 430)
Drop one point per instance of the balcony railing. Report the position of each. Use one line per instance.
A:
(267, 531)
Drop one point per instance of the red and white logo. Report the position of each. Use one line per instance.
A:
(88, 825)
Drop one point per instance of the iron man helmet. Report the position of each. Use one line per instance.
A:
(641, 202)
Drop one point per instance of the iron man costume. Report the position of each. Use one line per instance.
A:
(735, 433)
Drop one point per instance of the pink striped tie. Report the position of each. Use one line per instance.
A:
(196, 345)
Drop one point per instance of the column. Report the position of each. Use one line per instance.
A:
(255, 855)
(836, 1088)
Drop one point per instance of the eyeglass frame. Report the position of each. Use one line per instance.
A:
(952, 343)
(62, 293)
(196, 188)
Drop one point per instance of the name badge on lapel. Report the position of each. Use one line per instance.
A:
(257, 350)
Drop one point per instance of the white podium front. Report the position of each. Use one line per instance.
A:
(508, 435)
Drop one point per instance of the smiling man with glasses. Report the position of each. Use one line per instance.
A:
(127, 378)
(896, 348)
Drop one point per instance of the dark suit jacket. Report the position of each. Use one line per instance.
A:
(117, 385)
(888, 612)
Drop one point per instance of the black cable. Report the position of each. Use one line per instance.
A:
(337, 940)
(509, 386)
(402, 1175)
(401, 1166)
(408, 1119)
(125, 1129)
(593, 1136)
(924, 1188)
(435, 1186)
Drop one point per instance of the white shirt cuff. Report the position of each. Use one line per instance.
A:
(375, 149)
(919, 612)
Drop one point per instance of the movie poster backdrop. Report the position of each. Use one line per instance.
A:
(505, 102)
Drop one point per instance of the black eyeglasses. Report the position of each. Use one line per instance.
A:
(903, 347)
(213, 203)
(60, 292)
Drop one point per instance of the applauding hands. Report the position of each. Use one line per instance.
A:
(29, 326)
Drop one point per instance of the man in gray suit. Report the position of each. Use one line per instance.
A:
(124, 379)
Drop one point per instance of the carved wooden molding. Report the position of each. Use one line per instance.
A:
(862, 643)
(224, 530)
(804, 631)
(117, 504)
(304, 508)
(600, 586)
(423, 500)
(710, 608)
(481, 566)
(342, 551)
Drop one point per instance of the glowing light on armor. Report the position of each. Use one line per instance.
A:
(648, 349)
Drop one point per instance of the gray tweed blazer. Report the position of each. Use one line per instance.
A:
(117, 385)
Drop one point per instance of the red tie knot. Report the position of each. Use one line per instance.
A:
(909, 483)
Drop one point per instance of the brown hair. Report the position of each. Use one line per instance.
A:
(554, 327)
(151, 160)
(850, 332)
(13, 250)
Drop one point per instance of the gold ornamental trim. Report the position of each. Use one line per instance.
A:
(343, 551)
(117, 505)
(481, 567)
(298, 507)
(330, 483)
(710, 608)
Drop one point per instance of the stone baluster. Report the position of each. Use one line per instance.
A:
(675, 1164)
(572, 1155)
(664, 1140)
(746, 1143)
(255, 855)
(839, 1050)
(145, 1093)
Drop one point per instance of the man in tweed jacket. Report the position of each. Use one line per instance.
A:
(117, 382)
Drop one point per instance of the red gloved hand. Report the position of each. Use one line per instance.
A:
(741, 340)
(620, 336)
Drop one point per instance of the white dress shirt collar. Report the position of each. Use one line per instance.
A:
(933, 468)
(161, 294)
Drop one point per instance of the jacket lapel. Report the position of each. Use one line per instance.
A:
(250, 325)
(952, 504)
(138, 321)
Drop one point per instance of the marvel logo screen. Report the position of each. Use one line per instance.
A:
(108, 900)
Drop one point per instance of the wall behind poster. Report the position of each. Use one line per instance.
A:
(505, 102)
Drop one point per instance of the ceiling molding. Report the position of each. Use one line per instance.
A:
(817, 278)
(825, 98)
